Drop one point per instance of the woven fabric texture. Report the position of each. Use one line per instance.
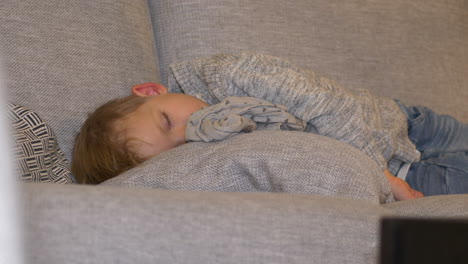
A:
(442, 206)
(64, 58)
(416, 51)
(118, 225)
(292, 162)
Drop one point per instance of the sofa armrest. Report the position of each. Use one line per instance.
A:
(442, 206)
(102, 224)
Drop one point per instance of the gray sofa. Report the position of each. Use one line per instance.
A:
(64, 58)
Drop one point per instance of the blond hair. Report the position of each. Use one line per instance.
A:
(100, 151)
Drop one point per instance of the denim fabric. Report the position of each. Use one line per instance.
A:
(443, 143)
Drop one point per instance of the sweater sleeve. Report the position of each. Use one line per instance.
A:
(333, 110)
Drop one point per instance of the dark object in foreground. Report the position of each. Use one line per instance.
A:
(410, 240)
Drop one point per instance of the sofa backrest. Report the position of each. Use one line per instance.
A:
(416, 50)
(64, 58)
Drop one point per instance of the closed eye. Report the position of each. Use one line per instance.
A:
(168, 121)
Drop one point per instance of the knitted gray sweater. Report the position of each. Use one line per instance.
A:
(375, 125)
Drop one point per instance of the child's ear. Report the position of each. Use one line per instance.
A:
(148, 89)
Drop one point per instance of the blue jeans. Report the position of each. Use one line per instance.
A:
(443, 143)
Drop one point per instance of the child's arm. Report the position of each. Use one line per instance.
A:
(332, 110)
(358, 118)
(401, 189)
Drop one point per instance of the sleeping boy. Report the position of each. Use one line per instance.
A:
(216, 97)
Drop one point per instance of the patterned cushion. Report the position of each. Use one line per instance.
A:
(38, 156)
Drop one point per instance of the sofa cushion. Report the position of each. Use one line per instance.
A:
(440, 206)
(117, 225)
(264, 161)
(38, 156)
(415, 50)
(64, 58)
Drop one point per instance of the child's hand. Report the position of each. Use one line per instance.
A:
(401, 189)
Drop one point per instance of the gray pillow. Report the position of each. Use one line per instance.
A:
(264, 161)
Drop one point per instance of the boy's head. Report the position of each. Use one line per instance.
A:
(125, 132)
